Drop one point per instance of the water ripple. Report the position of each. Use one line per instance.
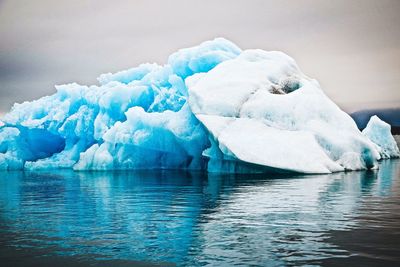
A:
(193, 219)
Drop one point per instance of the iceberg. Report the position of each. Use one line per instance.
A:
(211, 107)
(379, 133)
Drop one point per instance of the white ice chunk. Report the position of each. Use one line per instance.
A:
(261, 109)
(379, 133)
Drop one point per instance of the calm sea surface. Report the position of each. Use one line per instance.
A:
(167, 218)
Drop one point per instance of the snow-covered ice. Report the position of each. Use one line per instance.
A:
(260, 108)
(212, 106)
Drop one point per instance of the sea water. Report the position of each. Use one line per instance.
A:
(168, 218)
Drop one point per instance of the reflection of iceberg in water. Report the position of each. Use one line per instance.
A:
(290, 220)
(387, 174)
(121, 215)
(186, 218)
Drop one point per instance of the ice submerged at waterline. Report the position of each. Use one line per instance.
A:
(212, 107)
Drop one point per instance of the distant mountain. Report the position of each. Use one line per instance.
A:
(391, 116)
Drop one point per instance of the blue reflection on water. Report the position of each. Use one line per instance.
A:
(192, 218)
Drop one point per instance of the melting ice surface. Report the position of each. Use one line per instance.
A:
(211, 107)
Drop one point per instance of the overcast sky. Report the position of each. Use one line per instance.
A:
(351, 47)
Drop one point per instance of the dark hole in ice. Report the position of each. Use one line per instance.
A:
(290, 85)
(286, 86)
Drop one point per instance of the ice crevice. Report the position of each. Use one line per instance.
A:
(211, 107)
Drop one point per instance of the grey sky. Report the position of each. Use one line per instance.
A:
(351, 47)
